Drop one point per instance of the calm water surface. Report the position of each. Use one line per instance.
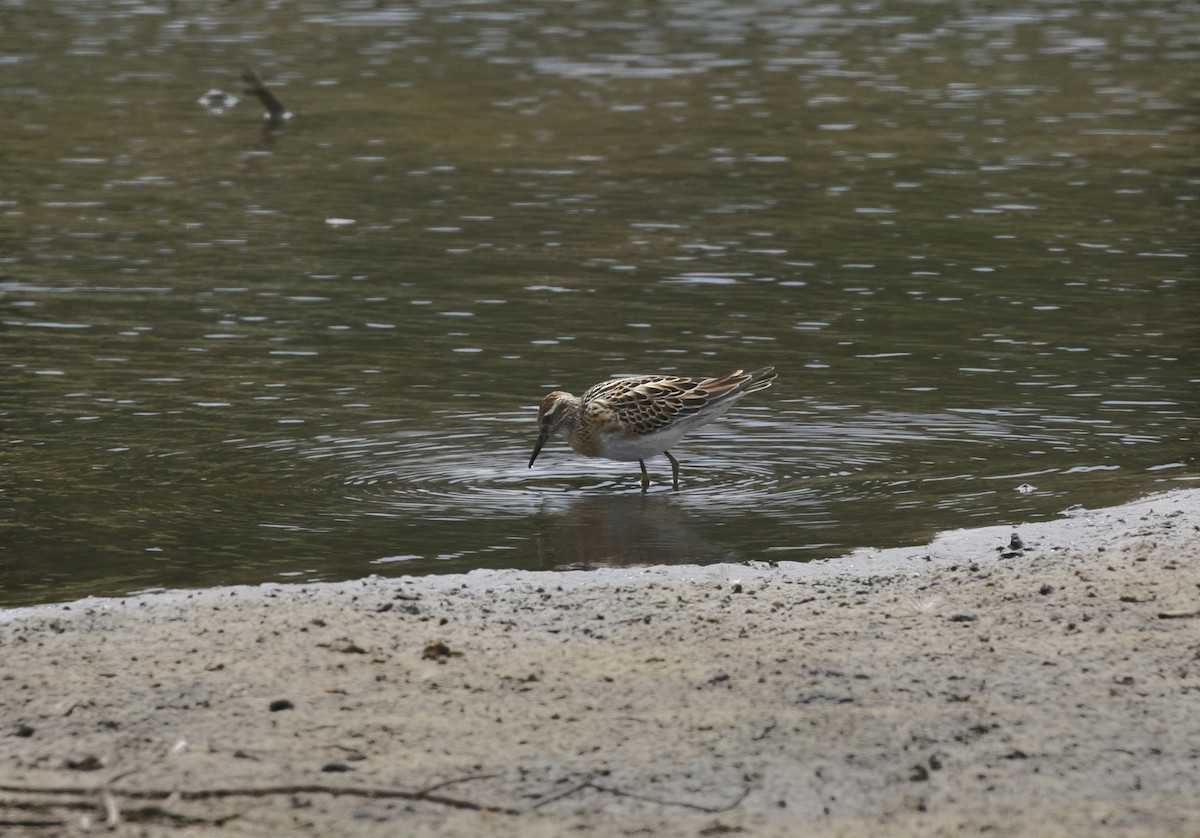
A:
(965, 234)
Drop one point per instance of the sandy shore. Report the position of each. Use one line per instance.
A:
(1051, 687)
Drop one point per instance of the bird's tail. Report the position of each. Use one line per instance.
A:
(741, 382)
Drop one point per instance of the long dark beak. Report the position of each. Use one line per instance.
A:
(538, 447)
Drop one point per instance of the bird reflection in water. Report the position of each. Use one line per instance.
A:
(623, 531)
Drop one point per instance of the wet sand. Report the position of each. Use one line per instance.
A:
(1046, 686)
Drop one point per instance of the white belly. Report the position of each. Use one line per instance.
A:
(626, 448)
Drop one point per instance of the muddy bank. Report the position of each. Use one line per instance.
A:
(1047, 685)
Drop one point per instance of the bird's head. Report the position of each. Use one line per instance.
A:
(556, 414)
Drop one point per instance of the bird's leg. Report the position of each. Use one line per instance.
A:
(674, 471)
(645, 475)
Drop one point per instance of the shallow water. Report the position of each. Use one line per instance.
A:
(233, 353)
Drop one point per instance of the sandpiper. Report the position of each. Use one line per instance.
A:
(634, 418)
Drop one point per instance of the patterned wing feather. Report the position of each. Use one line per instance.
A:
(651, 403)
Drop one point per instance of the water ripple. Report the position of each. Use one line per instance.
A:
(771, 461)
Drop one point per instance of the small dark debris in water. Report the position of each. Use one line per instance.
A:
(336, 767)
(1046, 589)
(935, 762)
(919, 773)
(438, 651)
(276, 112)
(281, 704)
(963, 618)
(1016, 754)
(737, 588)
(24, 731)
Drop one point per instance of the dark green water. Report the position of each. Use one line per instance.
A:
(964, 233)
